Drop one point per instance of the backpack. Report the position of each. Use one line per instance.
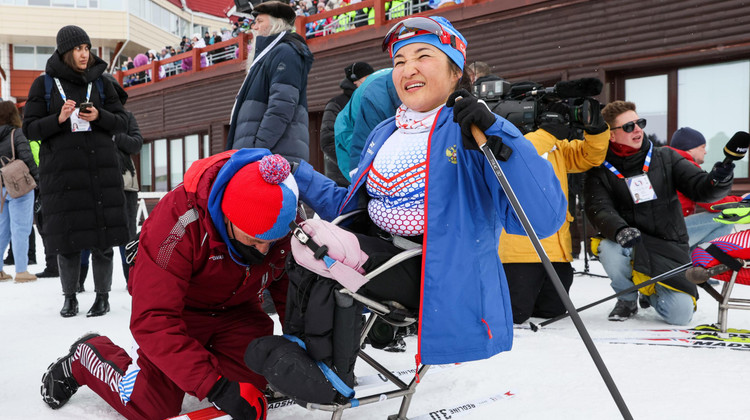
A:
(48, 81)
(16, 177)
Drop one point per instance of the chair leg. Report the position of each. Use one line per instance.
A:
(406, 401)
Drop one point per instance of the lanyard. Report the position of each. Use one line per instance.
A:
(62, 92)
(255, 60)
(646, 164)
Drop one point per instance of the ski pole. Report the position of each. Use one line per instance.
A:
(633, 288)
(481, 140)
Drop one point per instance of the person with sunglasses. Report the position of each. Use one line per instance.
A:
(632, 200)
(422, 176)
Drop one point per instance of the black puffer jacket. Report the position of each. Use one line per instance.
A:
(610, 207)
(80, 185)
(327, 134)
(23, 150)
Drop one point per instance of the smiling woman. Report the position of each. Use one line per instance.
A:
(421, 176)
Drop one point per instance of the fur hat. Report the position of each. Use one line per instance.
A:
(261, 198)
(358, 70)
(686, 138)
(276, 9)
(68, 37)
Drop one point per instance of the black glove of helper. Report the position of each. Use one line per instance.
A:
(598, 125)
(467, 111)
(554, 120)
(628, 236)
(242, 401)
(722, 172)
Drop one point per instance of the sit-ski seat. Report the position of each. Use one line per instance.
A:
(388, 312)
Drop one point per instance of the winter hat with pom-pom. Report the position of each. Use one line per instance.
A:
(261, 198)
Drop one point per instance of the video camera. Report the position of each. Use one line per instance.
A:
(523, 103)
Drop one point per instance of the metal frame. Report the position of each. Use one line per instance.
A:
(727, 302)
(379, 310)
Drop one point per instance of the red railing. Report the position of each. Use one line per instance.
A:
(170, 67)
(158, 70)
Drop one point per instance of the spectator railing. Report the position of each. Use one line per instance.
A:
(216, 54)
(365, 13)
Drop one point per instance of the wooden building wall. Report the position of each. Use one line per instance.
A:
(544, 41)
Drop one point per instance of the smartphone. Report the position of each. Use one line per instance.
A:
(85, 107)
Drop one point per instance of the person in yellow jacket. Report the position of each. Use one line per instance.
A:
(531, 290)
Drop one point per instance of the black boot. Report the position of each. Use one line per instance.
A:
(100, 306)
(82, 278)
(70, 306)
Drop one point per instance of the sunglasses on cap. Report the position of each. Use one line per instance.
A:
(415, 26)
(628, 127)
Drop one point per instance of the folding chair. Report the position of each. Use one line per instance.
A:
(726, 259)
(390, 312)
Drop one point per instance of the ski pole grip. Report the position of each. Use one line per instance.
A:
(479, 136)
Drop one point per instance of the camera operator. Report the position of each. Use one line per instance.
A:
(479, 72)
(532, 292)
(632, 201)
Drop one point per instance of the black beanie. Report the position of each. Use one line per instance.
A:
(686, 138)
(358, 70)
(68, 37)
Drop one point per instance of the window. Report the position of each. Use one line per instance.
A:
(192, 149)
(30, 57)
(170, 159)
(682, 97)
(146, 184)
(160, 165)
(650, 97)
(716, 113)
(176, 169)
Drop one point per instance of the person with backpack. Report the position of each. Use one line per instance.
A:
(81, 188)
(205, 255)
(16, 214)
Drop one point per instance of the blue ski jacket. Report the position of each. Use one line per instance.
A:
(465, 311)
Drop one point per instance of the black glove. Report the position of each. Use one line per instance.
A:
(554, 120)
(628, 236)
(242, 401)
(722, 172)
(467, 111)
(598, 125)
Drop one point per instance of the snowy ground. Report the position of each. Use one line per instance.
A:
(550, 372)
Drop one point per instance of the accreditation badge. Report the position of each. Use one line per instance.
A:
(78, 124)
(640, 188)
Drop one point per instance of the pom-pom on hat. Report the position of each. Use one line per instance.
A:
(261, 198)
(68, 37)
(358, 70)
(277, 9)
(686, 138)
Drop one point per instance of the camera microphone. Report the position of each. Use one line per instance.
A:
(586, 87)
(736, 147)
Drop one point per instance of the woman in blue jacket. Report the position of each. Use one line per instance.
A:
(422, 176)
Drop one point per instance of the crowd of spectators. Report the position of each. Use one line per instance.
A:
(186, 44)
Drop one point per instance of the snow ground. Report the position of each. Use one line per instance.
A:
(550, 371)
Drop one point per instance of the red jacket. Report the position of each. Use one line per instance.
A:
(182, 262)
(688, 205)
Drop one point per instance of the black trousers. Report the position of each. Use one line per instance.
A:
(532, 292)
(400, 283)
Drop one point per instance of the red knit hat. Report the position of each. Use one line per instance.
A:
(261, 198)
